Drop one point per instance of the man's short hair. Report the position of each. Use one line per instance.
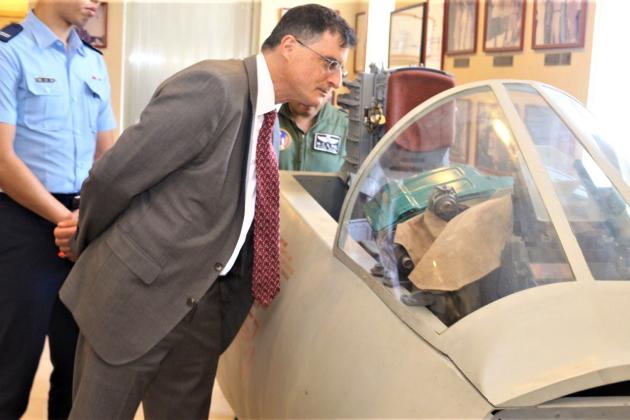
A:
(307, 23)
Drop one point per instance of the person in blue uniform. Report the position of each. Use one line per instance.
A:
(55, 119)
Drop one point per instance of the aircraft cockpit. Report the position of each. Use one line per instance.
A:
(482, 194)
(474, 270)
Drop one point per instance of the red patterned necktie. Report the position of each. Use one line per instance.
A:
(266, 272)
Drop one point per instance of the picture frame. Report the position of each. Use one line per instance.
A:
(432, 56)
(559, 24)
(361, 23)
(461, 26)
(406, 36)
(332, 98)
(95, 30)
(504, 25)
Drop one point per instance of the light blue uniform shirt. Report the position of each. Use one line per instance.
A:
(58, 100)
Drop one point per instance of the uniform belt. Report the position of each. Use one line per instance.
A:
(65, 199)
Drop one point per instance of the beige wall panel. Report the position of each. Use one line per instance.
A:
(529, 63)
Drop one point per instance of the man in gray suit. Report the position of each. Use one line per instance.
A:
(164, 277)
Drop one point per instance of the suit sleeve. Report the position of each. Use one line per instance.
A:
(180, 120)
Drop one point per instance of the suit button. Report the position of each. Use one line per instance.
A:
(218, 267)
(191, 301)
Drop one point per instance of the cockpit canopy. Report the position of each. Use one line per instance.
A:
(482, 192)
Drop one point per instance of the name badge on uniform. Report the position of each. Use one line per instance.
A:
(327, 143)
(45, 80)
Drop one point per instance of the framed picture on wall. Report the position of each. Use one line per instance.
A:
(434, 34)
(559, 24)
(504, 23)
(461, 26)
(406, 36)
(95, 30)
(361, 32)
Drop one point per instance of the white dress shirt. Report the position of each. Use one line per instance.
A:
(265, 102)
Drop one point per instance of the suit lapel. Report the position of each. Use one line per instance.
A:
(252, 77)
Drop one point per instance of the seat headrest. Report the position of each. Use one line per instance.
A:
(406, 89)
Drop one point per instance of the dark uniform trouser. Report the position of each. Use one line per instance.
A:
(174, 379)
(31, 274)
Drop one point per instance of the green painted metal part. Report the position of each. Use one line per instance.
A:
(400, 200)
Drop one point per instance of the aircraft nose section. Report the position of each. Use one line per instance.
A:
(545, 343)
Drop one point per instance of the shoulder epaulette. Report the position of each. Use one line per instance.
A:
(10, 31)
(87, 44)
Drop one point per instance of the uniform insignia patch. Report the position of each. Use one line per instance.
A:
(285, 139)
(10, 31)
(327, 143)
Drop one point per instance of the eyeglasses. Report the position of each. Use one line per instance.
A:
(333, 65)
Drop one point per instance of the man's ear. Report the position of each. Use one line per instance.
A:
(288, 45)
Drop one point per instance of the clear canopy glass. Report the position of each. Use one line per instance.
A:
(462, 202)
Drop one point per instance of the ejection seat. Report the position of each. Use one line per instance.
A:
(421, 147)
(424, 144)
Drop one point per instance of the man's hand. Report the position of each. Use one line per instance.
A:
(63, 234)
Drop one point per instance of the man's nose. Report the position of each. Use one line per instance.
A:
(335, 78)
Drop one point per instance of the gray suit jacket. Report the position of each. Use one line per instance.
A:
(161, 212)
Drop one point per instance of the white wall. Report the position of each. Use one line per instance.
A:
(609, 88)
(161, 38)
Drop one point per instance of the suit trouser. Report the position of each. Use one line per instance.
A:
(174, 379)
(31, 274)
